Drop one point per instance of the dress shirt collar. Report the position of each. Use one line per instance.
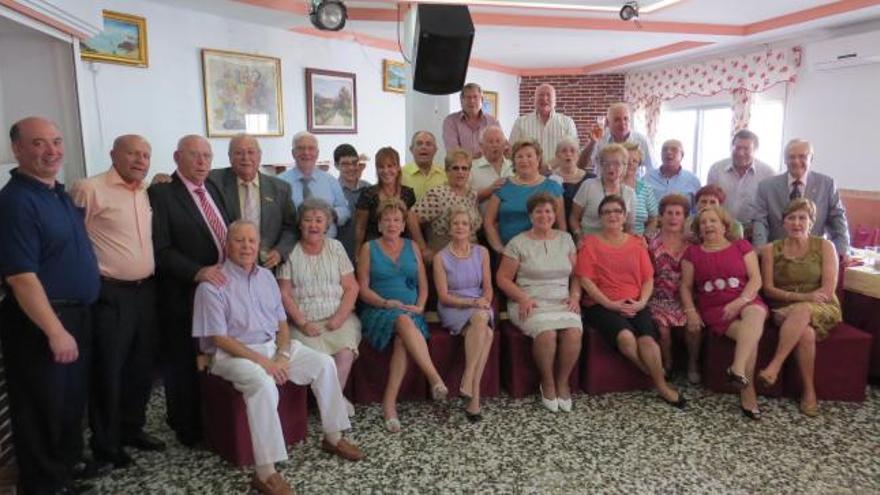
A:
(416, 170)
(190, 185)
(802, 179)
(237, 271)
(242, 183)
(462, 116)
(750, 170)
(114, 179)
(35, 183)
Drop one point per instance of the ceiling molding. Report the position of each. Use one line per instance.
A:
(616, 62)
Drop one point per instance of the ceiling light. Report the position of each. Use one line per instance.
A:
(629, 11)
(328, 15)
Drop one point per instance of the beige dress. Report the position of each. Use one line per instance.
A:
(317, 290)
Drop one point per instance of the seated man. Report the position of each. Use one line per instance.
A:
(243, 326)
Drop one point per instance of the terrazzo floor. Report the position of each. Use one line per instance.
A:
(618, 443)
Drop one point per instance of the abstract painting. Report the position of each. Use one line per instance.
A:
(122, 41)
(331, 102)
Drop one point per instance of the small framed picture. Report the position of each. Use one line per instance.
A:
(393, 76)
(490, 103)
(331, 102)
(122, 41)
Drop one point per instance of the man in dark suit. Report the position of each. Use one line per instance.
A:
(189, 230)
(799, 181)
(258, 198)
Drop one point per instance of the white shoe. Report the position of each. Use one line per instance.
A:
(551, 404)
(349, 407)
(564, 404)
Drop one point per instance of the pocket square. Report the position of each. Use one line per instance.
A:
(269, 199)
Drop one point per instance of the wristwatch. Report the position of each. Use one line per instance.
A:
(286, 354)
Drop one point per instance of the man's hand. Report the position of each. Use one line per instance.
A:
(161, 178)
(276, 368)
(211, 274)
(273, 257)
(63, 347)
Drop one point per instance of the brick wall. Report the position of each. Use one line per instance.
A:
(583, 98)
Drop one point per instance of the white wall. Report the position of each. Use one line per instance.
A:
(165, 101)
(837, 111)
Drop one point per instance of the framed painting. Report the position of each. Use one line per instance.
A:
(393, 76)
(490, 103)
(122, 41)
(331, 102)
(242, 94)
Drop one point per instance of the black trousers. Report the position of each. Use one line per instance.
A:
(124, 353)
(46, 399)
(177, 354)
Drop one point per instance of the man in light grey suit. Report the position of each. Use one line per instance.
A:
(775, 193)
(258, 198)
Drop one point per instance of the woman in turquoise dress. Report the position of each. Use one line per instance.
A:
(394, 288)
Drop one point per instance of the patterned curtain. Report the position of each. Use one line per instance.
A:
(741, 103)
(652, 116)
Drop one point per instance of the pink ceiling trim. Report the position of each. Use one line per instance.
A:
(39, 17)
(292, 6)
(807, 15)
(609, 64)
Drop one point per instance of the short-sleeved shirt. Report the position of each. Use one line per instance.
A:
(247, 308)
(317, 279)
(483, 175)
(458, 132)
(740, 191)
(619, 272)
(547, 134)
(346, 231)
(632, 138)
(370, 200)
(412, 177)
(646, 206)
(683, 182)
(434, 208)
(43, 232)
(588, 197)
(513, 217)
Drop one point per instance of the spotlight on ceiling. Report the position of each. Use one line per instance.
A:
(328, 15)
(629, 11)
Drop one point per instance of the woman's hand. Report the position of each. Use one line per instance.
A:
(412, 308)
(821, 297)
(573, 304)
(335, 322)
(526, 308)
(629, 308)
(481, 303)
(732, 309)
(311, 329)
(694, 321)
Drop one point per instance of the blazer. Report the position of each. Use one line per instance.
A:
(278, 227)
(772, 199)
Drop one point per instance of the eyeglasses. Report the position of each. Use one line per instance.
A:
(616, 211)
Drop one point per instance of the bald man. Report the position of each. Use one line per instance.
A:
(118, 220)
(618, 120)
(189, 232)
(51, 274)
(545, 124)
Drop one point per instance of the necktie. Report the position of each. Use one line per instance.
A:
(795, 190)
(251, 211)
(307, 191)
(218, 228)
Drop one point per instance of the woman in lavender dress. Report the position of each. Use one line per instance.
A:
(464, 293)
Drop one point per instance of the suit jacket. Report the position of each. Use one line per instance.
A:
(278, 228)
(182, 244)
(772, 199)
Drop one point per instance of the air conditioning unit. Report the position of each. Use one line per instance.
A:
(847, 51)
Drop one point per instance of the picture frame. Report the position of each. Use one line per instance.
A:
(122, 41)
(242, 94)
(393, 76)
(331, 102)
(490, 103)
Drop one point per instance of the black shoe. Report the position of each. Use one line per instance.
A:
(188, 440)
(736, 380)
(753, 414)
(145, 441)
(84, 470)
(75, 489)
(473, 417)
(120, 460)
(681, 403)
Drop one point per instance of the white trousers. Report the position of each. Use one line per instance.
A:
(307, 367)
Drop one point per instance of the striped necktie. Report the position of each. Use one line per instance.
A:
(795, 190)
(307, 191)
(218, 228)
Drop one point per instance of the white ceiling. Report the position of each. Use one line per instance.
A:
(519, 47)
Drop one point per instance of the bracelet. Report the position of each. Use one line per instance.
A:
(286, 354)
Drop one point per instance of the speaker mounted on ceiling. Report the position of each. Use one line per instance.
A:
(444, 36)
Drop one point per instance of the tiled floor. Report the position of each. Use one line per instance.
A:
(621, 443)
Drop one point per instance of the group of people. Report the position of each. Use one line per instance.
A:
(279, 278)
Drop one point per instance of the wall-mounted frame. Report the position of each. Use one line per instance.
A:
(331, 102)
(490, 103)
(122, 41)
(393, 76)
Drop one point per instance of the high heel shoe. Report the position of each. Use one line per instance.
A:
(809, 410)
(550, 404)
(753, 414)
(473, 417)
(736, 380)
(565, 405)
(681, 403)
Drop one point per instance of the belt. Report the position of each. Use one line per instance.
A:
(66, 303)
(125, 283)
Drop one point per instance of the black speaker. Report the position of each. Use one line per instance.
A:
(445, 34)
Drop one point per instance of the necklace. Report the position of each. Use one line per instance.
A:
(465, 255)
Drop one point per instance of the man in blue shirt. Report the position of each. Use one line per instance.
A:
(670, 177)
(51, 273)
(307, 181)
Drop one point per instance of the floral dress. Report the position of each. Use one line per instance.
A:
(665, 302)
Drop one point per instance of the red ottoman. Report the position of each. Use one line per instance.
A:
(861, 312)
(447, 353)
(607, 370)
(718, 354)
(841, 370)
(518, 372)
(370, 373)
(225, 424)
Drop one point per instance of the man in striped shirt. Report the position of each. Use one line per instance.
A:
(544, 125)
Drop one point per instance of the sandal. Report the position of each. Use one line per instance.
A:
(439, 391)
(753, 414)
(392, 425)
(809, 410)
(736, 380)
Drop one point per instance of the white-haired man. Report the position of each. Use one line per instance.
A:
(545, 125)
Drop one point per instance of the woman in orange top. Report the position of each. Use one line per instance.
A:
(616, 272)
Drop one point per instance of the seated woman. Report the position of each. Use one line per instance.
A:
(464, 301)
(507, 215)
(435, 206)
(645, 214)
(666, 248)
(712, 195)
(394, 288)
(366, 215)
(566, 172)
(616, 273)
(319, 290)
(584, 217)
(726, 277)
(544, 299)
(800, 276)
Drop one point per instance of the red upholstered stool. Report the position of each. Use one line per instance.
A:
(861, 312)
(607, 370)
(841, 370)
(225, 424)
(447, 353)
(370, 373)
(518, 371)
(718, 355)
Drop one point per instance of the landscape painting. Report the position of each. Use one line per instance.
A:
(331, 101)
(122, 41)
(393, 76)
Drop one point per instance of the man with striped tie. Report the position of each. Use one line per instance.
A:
(189, 232)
